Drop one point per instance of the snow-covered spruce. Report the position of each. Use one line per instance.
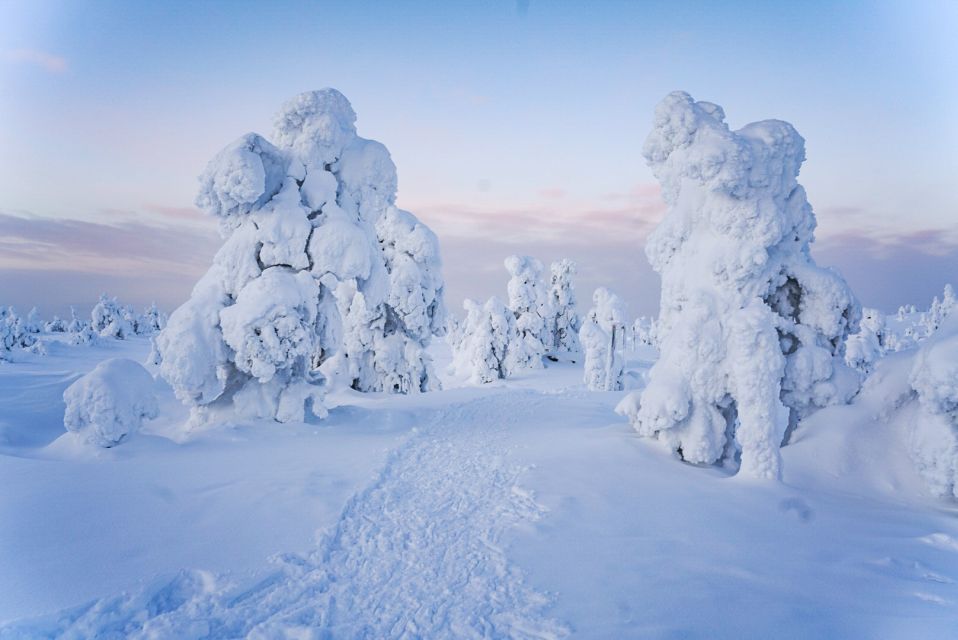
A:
(603, 339)
(529, 302)
(865, 348)
(55, 325)
(563, 324)
(151, 322)
(488, 333)
(752, 331)
(110, 320)
(645, 332)
(33, 324)
(934, 438)
(14, 335)
(106, 406)
(359, 285)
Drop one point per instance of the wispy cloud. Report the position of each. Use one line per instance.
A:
(49, 62)
(35, 242)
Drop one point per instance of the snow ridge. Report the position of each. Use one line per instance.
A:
(417, 553)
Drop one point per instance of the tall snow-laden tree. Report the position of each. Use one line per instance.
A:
(753, 331)
(563, 324)
(303, 285)
(603, 339)
(488, 333)
(529, 302)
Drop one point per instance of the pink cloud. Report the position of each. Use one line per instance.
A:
(49, 62)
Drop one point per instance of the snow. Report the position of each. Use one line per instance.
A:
(526, 510)
(107, 406)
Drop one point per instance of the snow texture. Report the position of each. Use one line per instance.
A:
(416, 554)
(320, 278)
(603, 339)
(752, 331)
(107, 406)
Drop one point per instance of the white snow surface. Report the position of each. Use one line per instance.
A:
(522, 509)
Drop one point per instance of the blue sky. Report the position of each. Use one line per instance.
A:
(516, 127)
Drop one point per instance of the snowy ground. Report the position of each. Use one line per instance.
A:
(526, 509)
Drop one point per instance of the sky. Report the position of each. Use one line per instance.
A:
(516, 127)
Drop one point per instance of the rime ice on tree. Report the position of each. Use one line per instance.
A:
(487, 335)
(528, 301)
(563, 319)
(603, 338)
(319, 272)
(752, 330)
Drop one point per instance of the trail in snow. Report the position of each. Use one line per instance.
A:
(416, 554)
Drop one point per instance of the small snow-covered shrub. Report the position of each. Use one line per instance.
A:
(488, 333)
(934, 437)
(752, 331)
(56, 325)
(106, 406)
(563, 325)
(603, 339)
(528, 301)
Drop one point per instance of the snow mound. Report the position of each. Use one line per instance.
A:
(106, 406)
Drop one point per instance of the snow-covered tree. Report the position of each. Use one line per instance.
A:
(933, 438)
(752, 331)
(55, 325)
(81, 333)
(645, 332)
(603, 339)
(151, 321)
(529, 302)
(13, 334)
(104, 312)
(488, 334)
(866, 347)
(563, 323)
(106, 406)
(33, 324)
(302, 216)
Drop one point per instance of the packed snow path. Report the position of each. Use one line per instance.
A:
(415, 554)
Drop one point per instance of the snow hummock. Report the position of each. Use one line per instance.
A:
(107, 406)
(752, 332)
